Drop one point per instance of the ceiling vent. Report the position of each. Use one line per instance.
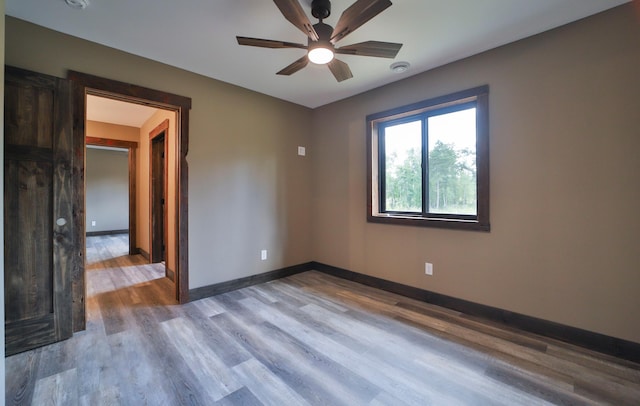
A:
(399, 67)
(79, 4)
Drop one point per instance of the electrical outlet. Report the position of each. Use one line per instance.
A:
(263, 255)
(93, 223)
(428, 268)
(302, 151)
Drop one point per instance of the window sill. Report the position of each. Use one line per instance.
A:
(456, 224)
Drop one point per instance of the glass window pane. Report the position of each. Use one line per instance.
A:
(403, 163)
(452, 163)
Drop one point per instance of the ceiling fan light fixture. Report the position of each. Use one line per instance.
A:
(321, 51)
(322, 37)
(320, 55)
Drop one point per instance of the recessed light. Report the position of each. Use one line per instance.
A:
(79, 4)
(399, 67)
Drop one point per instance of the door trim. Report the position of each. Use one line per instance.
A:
(89, 84)
(161, 129)
(132, 147)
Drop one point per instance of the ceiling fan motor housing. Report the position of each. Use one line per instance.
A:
(321, 9)
(324, 31)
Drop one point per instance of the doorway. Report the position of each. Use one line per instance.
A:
(131, 147)
(92, 85)
(158, 197)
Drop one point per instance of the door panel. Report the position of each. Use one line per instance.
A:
(30, 288)
(158, 199)
(31, 119)
(38, 219)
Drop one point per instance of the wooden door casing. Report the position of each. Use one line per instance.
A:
(90, 84)
(38, 212)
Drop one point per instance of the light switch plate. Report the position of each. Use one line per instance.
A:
(428, 268)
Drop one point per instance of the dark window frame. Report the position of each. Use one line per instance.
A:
(376, 212)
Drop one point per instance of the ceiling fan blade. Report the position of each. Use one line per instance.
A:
(294, 67)
(357, 14)
(293, 12)
(371, 48)
(340, 70)
(268, 43)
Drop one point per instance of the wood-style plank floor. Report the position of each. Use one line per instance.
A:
(309, 339)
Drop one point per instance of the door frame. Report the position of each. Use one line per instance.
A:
(161, 129)
(84, 84)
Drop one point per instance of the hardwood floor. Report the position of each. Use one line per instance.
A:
(309, 339)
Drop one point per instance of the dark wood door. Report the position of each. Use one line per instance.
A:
(38, 218)
(158, 199)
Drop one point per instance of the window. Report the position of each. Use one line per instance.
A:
(428, 163)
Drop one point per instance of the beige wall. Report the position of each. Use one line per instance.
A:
(565, 181)
(106, 175)
(144, 208)
(248, 189)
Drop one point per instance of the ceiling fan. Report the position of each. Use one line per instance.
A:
(322, 37)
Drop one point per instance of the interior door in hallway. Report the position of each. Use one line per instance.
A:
(38, 212)
(158, 172)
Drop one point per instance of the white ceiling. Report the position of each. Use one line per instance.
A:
(117, 112)
(199, 36)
